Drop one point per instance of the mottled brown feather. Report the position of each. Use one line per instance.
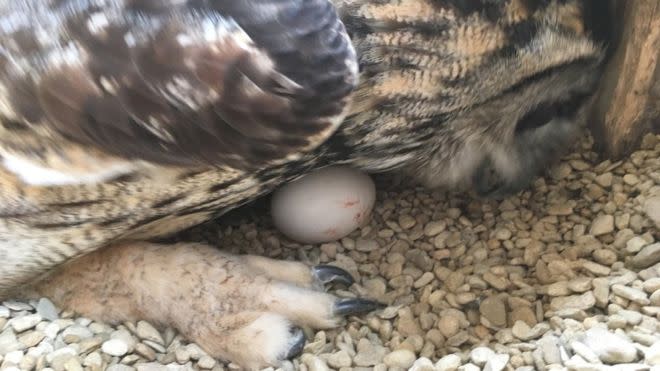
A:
(183, 84)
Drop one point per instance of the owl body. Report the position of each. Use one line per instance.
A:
(125, 120)
(454, 93)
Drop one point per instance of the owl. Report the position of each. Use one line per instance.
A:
(123, 121)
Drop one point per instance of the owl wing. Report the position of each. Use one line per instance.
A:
(240, 83)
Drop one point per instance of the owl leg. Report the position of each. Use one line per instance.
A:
(244, 309)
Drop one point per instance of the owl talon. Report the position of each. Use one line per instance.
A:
(328, 274)
(297, 343)
(348, 307)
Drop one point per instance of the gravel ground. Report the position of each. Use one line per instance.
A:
(564, 276)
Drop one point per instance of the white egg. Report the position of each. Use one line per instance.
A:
(323, 206)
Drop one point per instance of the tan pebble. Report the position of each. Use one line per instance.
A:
(465, 298)
(26, 322)
(458, 339)
(624, 279)
(523, 313)
(560, 209)
(497, 282)
(364, 245)
(503, 234)
(651, 285)
(90, 344)
(31, 338)
(482, 332)
(329, 249)
(595, 268)
(434, 228)
(652, 209)
(605, 256)
(532, 254)
(385, 331)
(339, 359)
(400, 358)
(494, 310)
(601, 291)
(558, 289)
(622, 221)
(206, 362)
(630, 179)
(580, 284)
(642, 338)
(631, 293)
(146, 331)
(27, 363)
(616, 321)
(454, 280)
(314, 363)
(448, 326)
(603, 224)
(635, 244)
(130, 359)
(182, 355)
(604, 180)
(579, 165)
(414, 343)
(422, 364)
(407, 324)
(583, 302)
(595, 192)
(424, 280)
(93, 360)
(648, 256)
(407, 221)
(73, 364)
(145, 351)
(524, 332)
(435, 337)
(562, 171)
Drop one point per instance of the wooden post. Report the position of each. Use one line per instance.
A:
(628, 103)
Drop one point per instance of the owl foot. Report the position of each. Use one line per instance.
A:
(245, 309)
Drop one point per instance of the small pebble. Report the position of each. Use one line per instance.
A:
(449, 362)
(610, 348)
(494, 309)
(603, 224)
(631, 293)
(403, 358)
(480, 355)
(497, 362)
(27, 322)
(648, 256)
(115, 347)
(652, 354)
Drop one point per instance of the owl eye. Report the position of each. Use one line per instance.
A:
(546, 112)
(537, 117)
(570, 107)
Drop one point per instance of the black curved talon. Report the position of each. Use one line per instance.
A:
(299, 340)
(348, 307)
(325, 274)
